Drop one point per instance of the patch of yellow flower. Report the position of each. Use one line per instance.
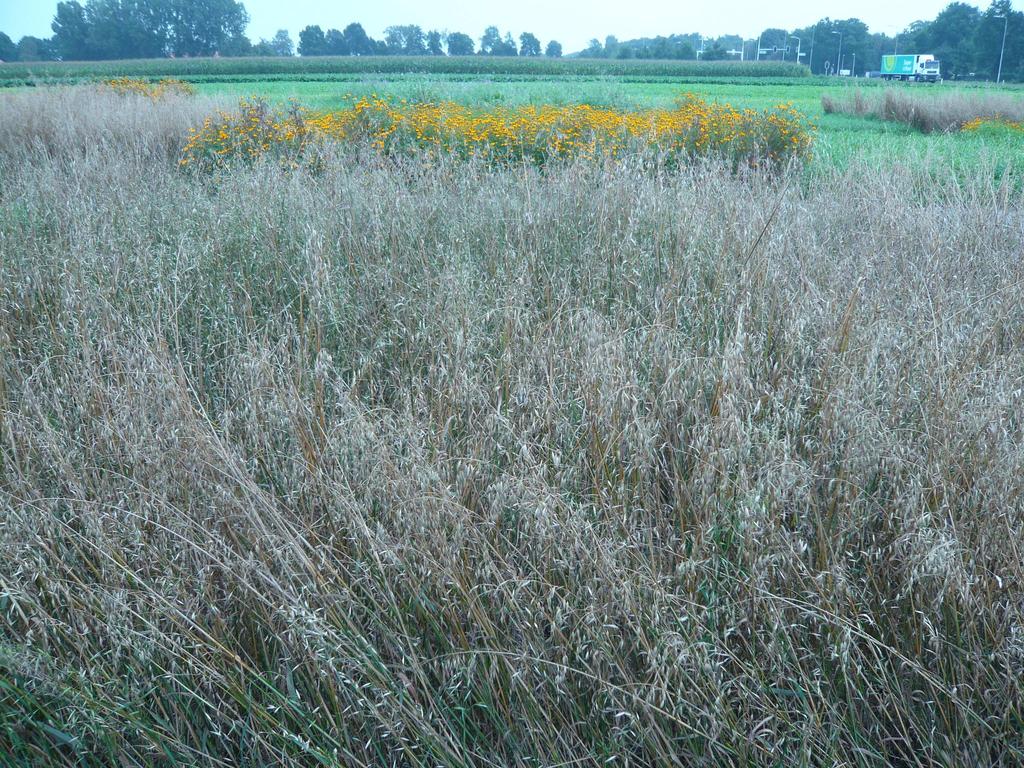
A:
(979, 123)
(253, 131)
(153, 90)
(505, 135)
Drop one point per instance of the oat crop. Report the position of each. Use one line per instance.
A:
(486, 464)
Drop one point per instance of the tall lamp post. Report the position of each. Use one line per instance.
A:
(1002, 48)
(810, 62)
(839, 57)
(757, 56)
(794, 37)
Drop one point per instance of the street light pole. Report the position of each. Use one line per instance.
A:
(1002, 48)
(757, 56)
(810, 63)
(794, 37)
(839, 57)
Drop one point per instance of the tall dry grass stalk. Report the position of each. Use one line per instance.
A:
(68, 122)
(448, 466)
(927, 112)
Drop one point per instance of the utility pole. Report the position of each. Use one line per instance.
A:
(810, 63)
(1002, 48)
(839, 57)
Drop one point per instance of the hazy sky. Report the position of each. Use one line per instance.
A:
(572, 22)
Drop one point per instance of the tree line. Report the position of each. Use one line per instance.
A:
(966, 39)
(136, 29)
(412, 40)
(141, 29)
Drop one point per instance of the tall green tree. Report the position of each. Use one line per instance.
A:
(335, 43)
(405, 40)
(856, 46)
(671, 47)
(822, 43)
(950, 38)
(312, 41)
(714, 52)
(773, 42)
(553, 50)
(358, 42)
(493, 44)
(279, 45)
(988, 41)
(239, 45)
(811, 44)
(434, 41)
(508, 46)
(490, 39)
(71, 32)
(459, 44)
(34, 49)
(732, 43)
(202, 27)
(128, 29)
(8, 49)
(282, 43)
(529, 45)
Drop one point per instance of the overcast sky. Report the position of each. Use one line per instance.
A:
(571, 22)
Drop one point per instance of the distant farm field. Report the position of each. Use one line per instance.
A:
(839, 137)
(322, 83)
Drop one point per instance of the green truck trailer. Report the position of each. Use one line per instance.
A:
(918, 67)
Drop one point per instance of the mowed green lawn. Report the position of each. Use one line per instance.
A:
(839, 137)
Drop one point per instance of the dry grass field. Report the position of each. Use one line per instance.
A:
(947, 111)
(443, 464)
